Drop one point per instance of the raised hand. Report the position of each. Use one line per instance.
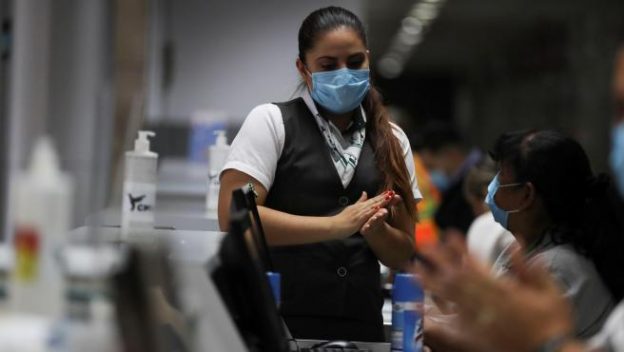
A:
(353, 217)
(515, 313)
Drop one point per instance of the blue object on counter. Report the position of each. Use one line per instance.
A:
(275, 282)
(407, 301)
(202, 136)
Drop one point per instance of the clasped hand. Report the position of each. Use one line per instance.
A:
(366, 215)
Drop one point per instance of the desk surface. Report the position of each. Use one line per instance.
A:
(184, 245)
(183, 219)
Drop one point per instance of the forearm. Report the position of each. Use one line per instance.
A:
(286, 229)
(392, 246)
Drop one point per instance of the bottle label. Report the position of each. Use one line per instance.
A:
(27, 254)
(212, 201)
(139, 200)
(407, 335)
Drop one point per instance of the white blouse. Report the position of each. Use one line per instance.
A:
(259, 143)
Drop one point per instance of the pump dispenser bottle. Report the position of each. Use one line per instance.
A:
(217, 154)
(139, 188)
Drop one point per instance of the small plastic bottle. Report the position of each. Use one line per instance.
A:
(42, 201)
(217, 154)
(139, 188)
(407, 300)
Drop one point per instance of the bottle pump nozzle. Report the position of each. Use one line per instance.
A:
(142, 144)
(221, 138)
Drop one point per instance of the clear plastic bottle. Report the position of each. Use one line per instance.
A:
(42, 201)
(139, 188)
(217, 154)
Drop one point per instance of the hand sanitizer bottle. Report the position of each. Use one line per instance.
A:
(407, 302)
(42, 203)
(139, 188)
(217, 154)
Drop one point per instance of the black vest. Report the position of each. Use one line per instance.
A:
(330, 290)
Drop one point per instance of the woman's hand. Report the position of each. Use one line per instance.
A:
(377, 221)
(509, 314)
(353, 217)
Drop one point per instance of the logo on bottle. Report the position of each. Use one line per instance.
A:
(136, 205)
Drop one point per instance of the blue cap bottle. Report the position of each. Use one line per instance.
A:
(407, 300)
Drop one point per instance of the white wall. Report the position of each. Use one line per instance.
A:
(229, 55)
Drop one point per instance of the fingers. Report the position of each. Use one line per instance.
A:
(381, 200)
(396, 200)
(363, 197)
(375, 220)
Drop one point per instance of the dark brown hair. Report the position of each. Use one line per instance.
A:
(388, 152)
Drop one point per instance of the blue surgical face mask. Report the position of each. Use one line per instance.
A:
(616, 159)
(340, 91)
(440, 180)
(501, 216)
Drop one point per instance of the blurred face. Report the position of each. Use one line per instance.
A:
(445, 160)
(336, 49)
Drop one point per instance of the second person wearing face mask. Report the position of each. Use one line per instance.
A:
(335, 183)
(546, 195)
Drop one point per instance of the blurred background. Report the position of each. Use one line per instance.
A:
(90, 73)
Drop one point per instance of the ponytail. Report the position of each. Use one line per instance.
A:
(388, 152)
(603, 233)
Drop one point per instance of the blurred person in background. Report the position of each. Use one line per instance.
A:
(525, 312)
(547, 196)
(486, 238)
(448, 159)
(426, 232)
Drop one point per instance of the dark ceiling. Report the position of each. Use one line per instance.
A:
(466, 31)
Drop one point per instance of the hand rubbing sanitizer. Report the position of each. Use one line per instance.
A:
(217, 154)
(139, 188)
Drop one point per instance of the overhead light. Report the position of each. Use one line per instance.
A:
(411, 25)
(413, 28)
(408, 39)
(426, 12)
(390, 66)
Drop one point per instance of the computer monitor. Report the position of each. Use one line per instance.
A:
(244, 199)
(243, 286)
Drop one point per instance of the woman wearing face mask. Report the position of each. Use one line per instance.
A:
(546, 195)
(564, 219)
(320, 164)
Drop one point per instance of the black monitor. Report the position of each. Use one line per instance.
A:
(244, 199)
(243, 286)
